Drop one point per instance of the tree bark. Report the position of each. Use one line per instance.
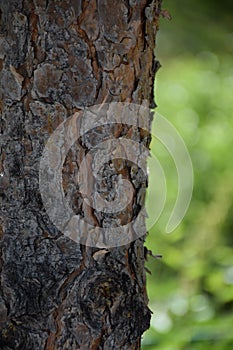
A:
(56, 58)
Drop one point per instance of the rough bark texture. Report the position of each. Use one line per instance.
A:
(56, 57)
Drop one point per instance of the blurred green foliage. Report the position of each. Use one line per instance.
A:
(191, 288)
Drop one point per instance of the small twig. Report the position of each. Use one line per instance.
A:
(147, 270)
(166, 14)
(149, 252)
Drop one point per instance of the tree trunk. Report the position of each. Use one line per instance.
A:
(56, 59)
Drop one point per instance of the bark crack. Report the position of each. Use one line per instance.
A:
(93, 56)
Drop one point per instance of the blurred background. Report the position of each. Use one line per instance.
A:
(191, 287)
